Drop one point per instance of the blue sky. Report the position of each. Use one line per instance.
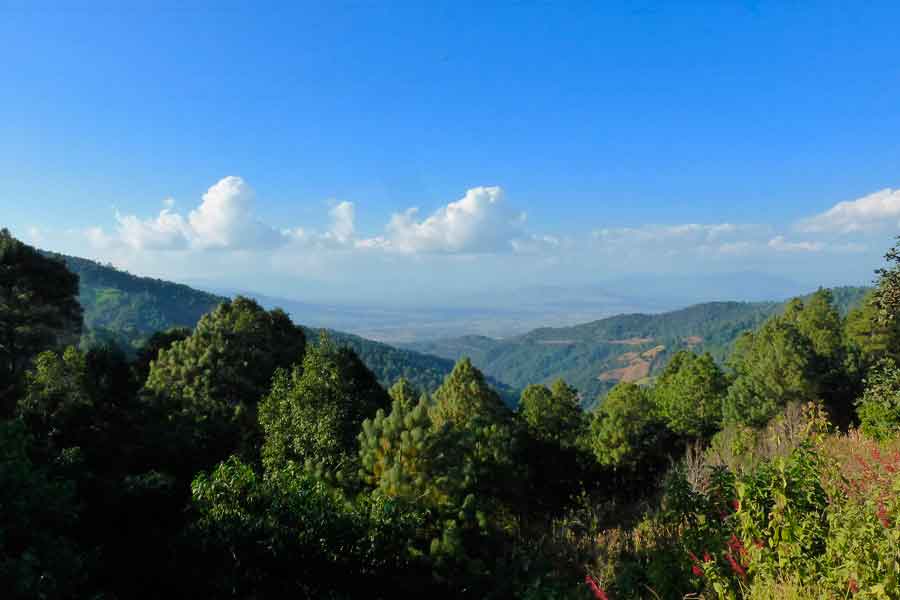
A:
(638, 136)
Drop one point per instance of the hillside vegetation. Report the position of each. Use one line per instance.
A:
(244, 458)
(595, 356)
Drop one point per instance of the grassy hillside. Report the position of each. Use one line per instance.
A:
(128, 309)
(595, 356)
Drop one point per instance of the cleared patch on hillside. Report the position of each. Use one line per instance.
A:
(635, 341)
(637, 366)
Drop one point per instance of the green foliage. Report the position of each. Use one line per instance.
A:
(39, 309)
(314, 411)
(872, 337)
(230, 357)
(56, 395)
(456, 456)
(773, 366)
(818, 320)
(404, 393)
(211, 382)
(400, 455)
(689, 394)
(580, 353)
(626, 429)
(464, 396)
(289, 534)
(149, 351)
(38, 557)
(554, 415)
(879, 407)
(125, 309)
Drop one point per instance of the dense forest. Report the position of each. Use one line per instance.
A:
(595, 356)
(245, 458)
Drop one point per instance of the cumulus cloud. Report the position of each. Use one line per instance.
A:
(478, 222)
(780, 244)
(343, 217)
(872, 212)
(223, 220)
(168, 231)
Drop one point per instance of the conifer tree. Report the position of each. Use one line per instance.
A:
(689, 394)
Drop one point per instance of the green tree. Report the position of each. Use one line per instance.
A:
(459, 457)
(210, 383)
(819, 321)
(39, 309)
(149, 350)
(886, 298)
(230, 357)
(879, 406)
(625, 428)
(554, 414)
(773, 366)
(405, 393)
(57, 400)
(402, 456)
(689, 394)
(314, 412)
(838, 372)
(465, 395)
(870, 336)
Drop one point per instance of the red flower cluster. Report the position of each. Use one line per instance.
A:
(853, 586)
(883, 515)
(736, 566)
(736, 546)
(596, 589)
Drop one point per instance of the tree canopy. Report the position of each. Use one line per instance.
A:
(39, 308)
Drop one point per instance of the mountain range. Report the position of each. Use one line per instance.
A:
(593, 356)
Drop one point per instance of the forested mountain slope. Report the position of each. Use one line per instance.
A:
(128, 309)
(595, 356)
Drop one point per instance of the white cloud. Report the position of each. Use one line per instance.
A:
(168, 231)
(225, 219)
(872, 212)
(687, 236)
(478, 222)
(535, 244)
(342, 227)
(779, 244)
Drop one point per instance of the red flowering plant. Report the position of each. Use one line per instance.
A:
(863, 483)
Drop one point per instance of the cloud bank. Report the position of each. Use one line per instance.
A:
(480, 237)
